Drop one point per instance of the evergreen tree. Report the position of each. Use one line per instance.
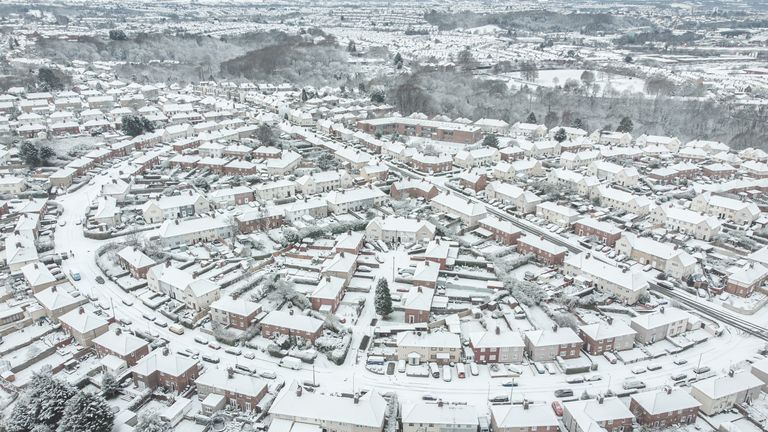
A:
(109, 385)
(47, 80)
(531, 118)
(42, 402)
(560, 135)
(265, 135)
(87, 412)
(351, 47)
(152, 423)
(136, 125)
(491, 140)
(398, 61)
(45, 153)
(117, 35)
(578, 124)
(625, 125)
(383, 300)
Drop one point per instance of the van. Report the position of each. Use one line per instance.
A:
(176, 328)
(434, 370)
(461, 370)
(74, 274)
(291, 363)
(447, 373)
(401, 366)
(375, 360)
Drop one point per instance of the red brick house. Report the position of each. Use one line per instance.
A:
(241, 391)
(602, 413)
(291, 324)
(260, 220)
(417, 304)
(162, 369)
(124, 346)
(135, 261)
(744, 280)
(327, 296)
(413, 189)
(497, 347)
(603, 231)
(502, 231)
(472, 180)
(545, 251)
(664, 408)
(239, 314)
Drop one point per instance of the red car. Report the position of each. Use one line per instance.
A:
(557, 408)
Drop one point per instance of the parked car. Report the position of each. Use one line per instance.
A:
(100, 280)
(563, 393)
(557, 408)
(680, 361)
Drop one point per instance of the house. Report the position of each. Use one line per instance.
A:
(285, 164)
(342, 265)
(20, 250)
(122, 345)
(478, 157)
(548, 345)
(397, 229)
(544, 250)
(518, 168)
(326, 297)
(290, 324)
(721, 393)
(557, 214)
(83, 326)
(332, 413)
(474, 180)
(431, 163)
(721, 207)
(742, 281)
(661, 256)
(626, 285)
(263, 219)
(494, 126)
(243, 392)
(469, 211)
(134, 260)
(12, 185)
(107, 212)
(418, 347)
(173, 207)
(413, 189)
(523, 201)
(624, 176)
(605, 232)
(695, 224)
(439, 417)
(359, 199)
(231, 196)
(38, 277)
(607, 337)
(603, 413)
(665, 323)
(409, 126)
(56, 301)
(528, 130)
(664, 408)
(497, 347)
(239, 314)
(503, 231)
(190, 231)
(198, 295)
(275, 190)
(526, 417)
(417, 304)
(163, 369)
(324, 181)
(671, 143)
(619, 199)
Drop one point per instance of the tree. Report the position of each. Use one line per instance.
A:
(551, 119)
(48, 80)
(531, 118)
(29, 154)
(327, 162)
(42, 402)
(351, 47)
(588, 77)
(465, 59)
(398, 61)
(117, 35)
(152, 423)
(136, 125)
(109, 385)
(378, 95)
(578, 124)
(628, 59)
(560, 135)
(625, 125)
(491, 140)
(87, 412)
(383, 300)
(265, 134)
(45, 153)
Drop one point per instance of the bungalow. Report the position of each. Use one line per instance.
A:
(743, 281)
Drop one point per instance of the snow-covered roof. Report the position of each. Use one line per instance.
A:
(121, 343)
(296, 321)
(660, 401)
(440, 414)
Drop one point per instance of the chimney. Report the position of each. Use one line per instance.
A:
(610, 320)
(298, 390)
(327, 278)
(554, 328)
(166, 351)
(600, 399)
(81, 310)
(290, 311)
(661, 309)
(167, 263)
(730, 373)
(53, 288)
(668, 389)
(118, 331)
(357, 398)
(230, 373)
(36, 266)
(498, 330)
(525, 404)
